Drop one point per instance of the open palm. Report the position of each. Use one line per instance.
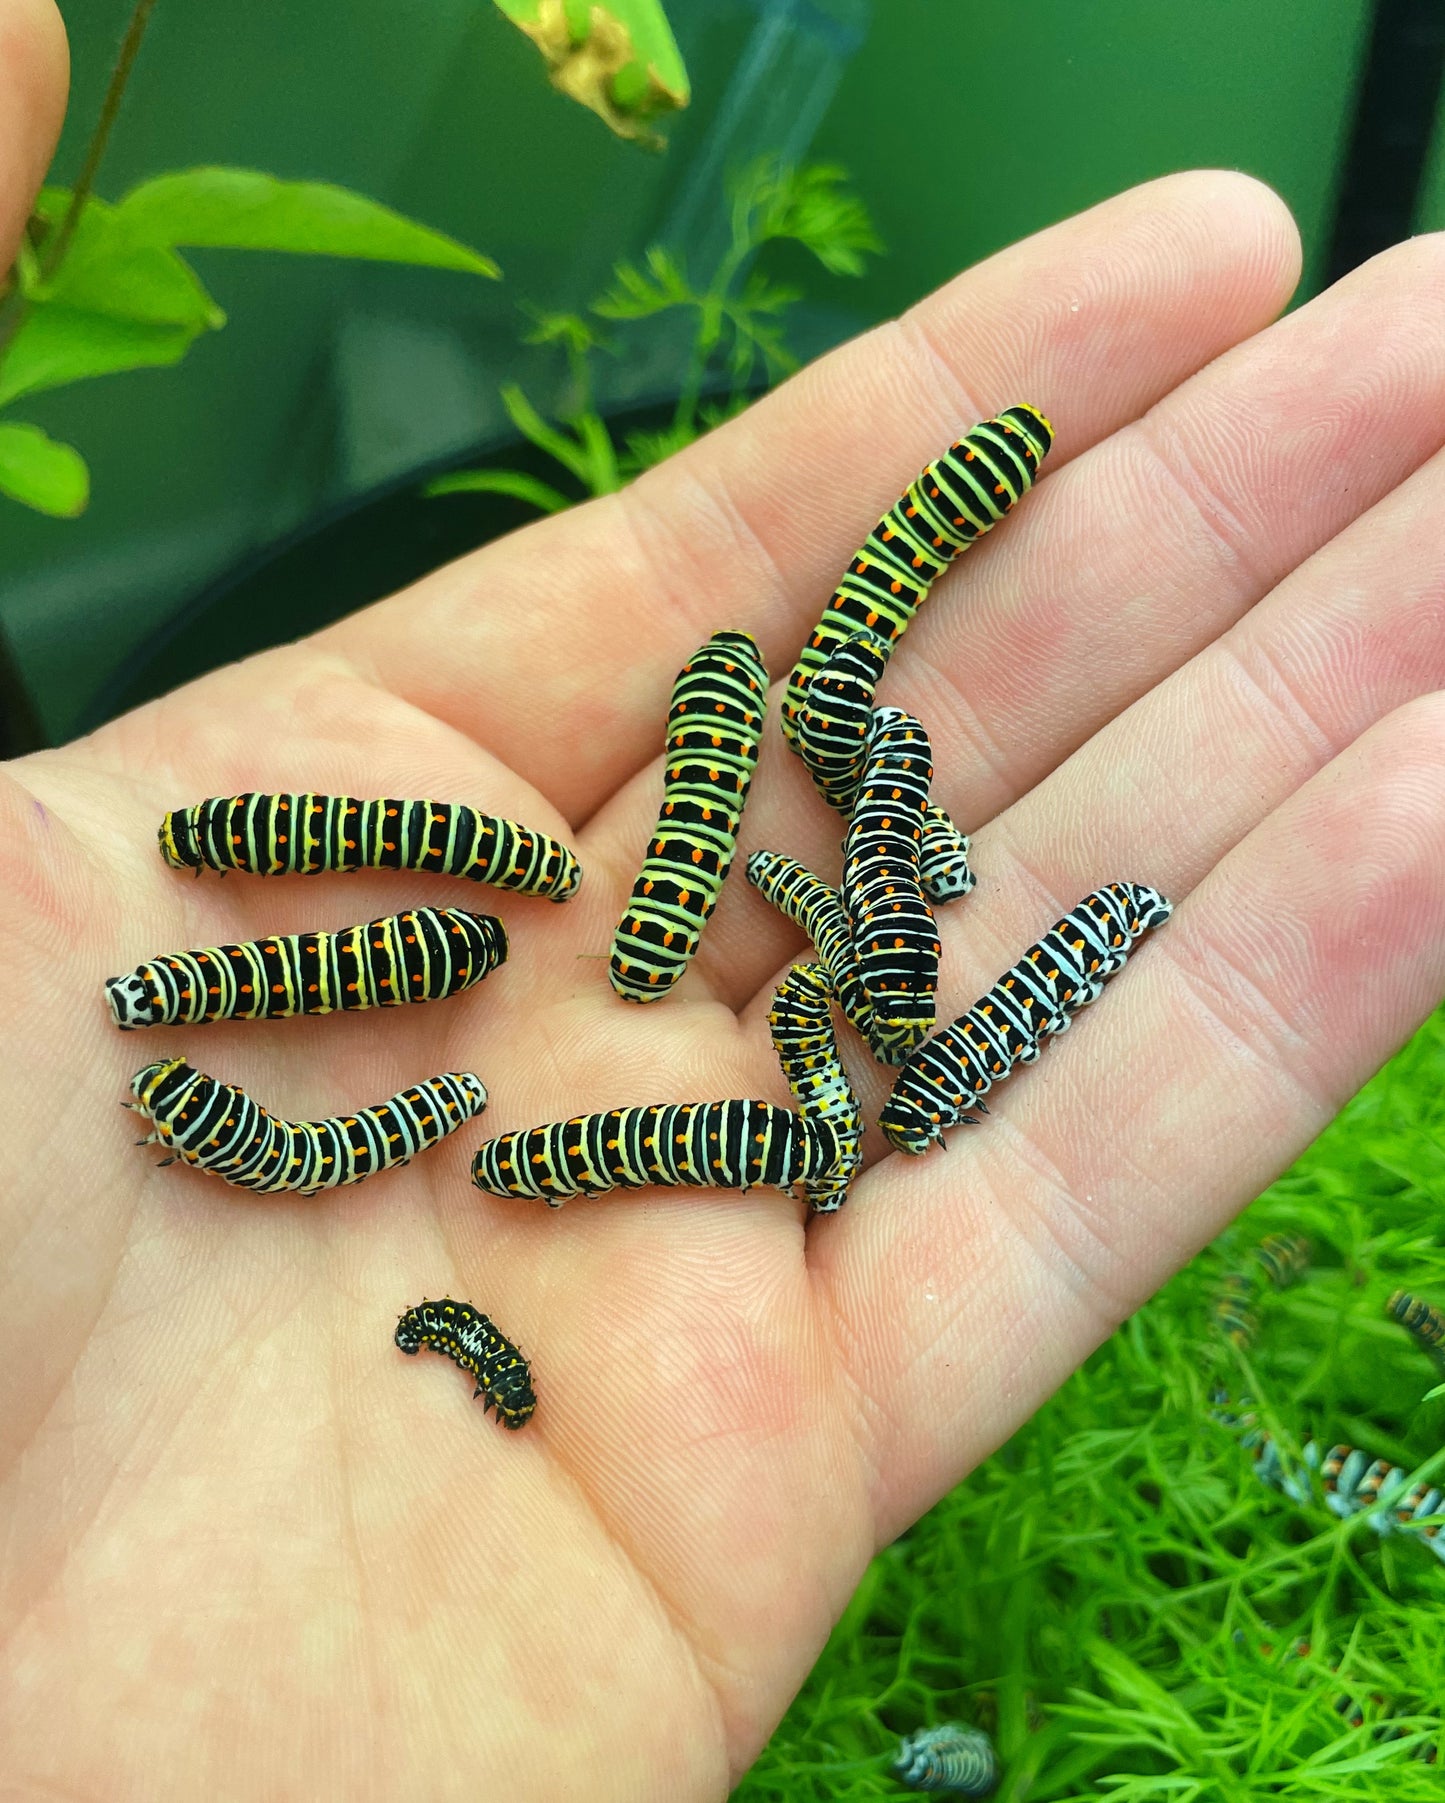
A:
(252, 1551)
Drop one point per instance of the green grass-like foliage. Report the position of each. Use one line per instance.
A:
(1117, 1599)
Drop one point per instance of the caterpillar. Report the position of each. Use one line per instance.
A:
(950, 503)
(714, 726)
(888, 914)
(468, 1338)
(948, 1758)
(219, 1128)
(1347, 1705)
(1424, 1323)
(300, 835)
(801, 1023)
(832, 738)
(1284, 1258)
(706, 1145)
(809, 903)
(419, 956)
(1065, 971)
(1351, 1480)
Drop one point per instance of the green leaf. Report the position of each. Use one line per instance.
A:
(42, 473)
(56, 345)
(525, 417)
(616, 57)
(809, 205)
(242, 209)
(639, 294)
(107, 271)
(500, 482)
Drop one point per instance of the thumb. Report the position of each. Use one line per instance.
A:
(34, 75)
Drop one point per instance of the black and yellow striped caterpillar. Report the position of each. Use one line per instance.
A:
(809, 903)
(468, 1338)
(714, 726)
(419, 956)
(702, 1145)
(949, 1075)
(951, 1758)
(951, 502)
(801, 1023)
(302, 835)
(888, 913)
(832, 740)
(218, 1128)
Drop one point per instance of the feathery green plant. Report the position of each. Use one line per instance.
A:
(737, 333)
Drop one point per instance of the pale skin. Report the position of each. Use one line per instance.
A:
(250, 1550)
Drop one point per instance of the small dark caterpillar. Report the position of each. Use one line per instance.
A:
(1424, 1323)
(801, 1023)
(1064, 972)
(467, 1337)
(220, 1129)
(949, 1758)
(951, 502)
(1285, 1257)
(888, 914)
(300, 835)
(714, 727)
(419, 956)
(704, 1145)
(832, 739)
(809, 903)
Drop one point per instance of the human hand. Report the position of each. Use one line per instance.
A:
(255, 1552)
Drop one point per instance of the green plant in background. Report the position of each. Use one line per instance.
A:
(619, 59)
(1117, 1598)
(737, 333)
(98, 288)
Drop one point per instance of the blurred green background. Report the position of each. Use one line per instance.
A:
(964, 126)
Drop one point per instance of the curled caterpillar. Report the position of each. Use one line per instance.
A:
(832, 739)
(714, 726)
(951, 502)
(702, 1145)
(801, 1023)
(301, 835)
(888, 913)
(468, 1338)
(809, 903)
(218, 1128)
(950, 1759)
(419, 956)
(950, 1074)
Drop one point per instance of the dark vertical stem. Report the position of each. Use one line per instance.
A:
(1390, 140)
(54, 252)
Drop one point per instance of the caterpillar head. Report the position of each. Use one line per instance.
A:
(909, 1126)
(1147, 908)
(901, 1022)
(177, 839)
(133, 1003)
(473, 1088)
(144, 1083)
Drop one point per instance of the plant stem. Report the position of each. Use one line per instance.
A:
(55, 250)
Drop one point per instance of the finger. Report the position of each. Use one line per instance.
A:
(1293, 971)
(34, 71)
(1138, 555)
(560, 643)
